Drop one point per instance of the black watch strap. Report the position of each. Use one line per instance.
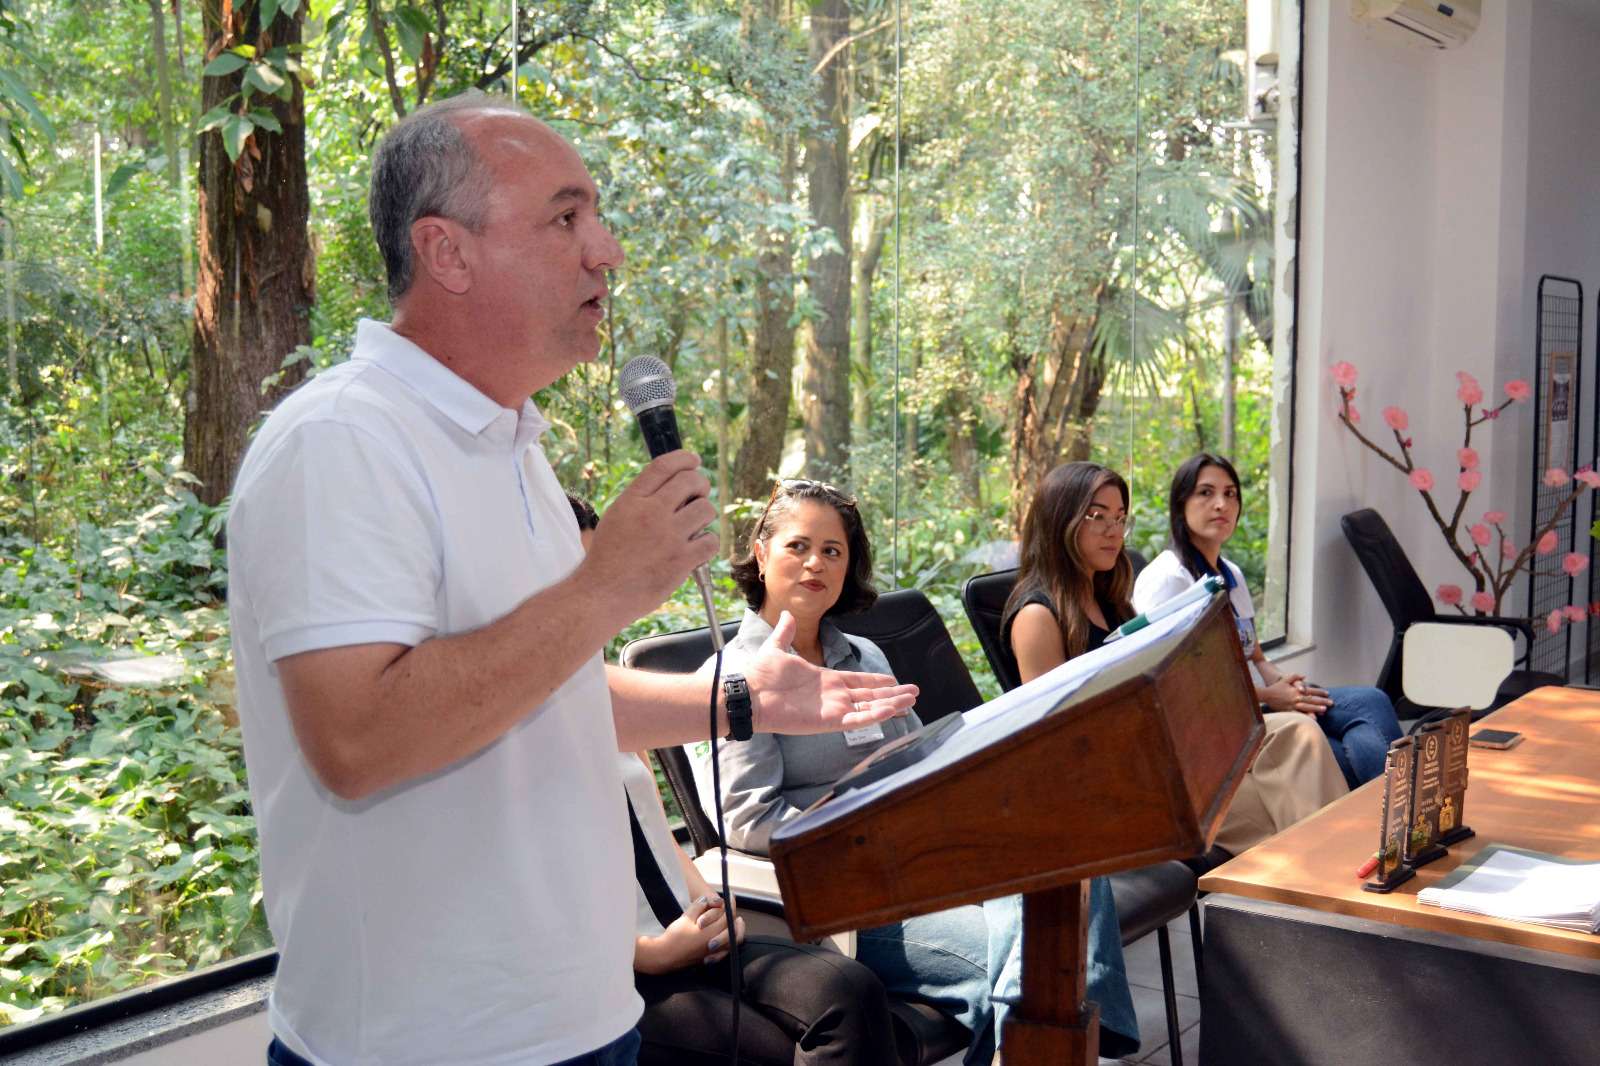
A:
(736, 702)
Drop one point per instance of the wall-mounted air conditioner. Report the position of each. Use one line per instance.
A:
(1439, 23)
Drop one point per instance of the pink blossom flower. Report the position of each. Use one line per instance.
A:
(1470, 392)
(1494, 518)
(1491, 413)
(1449, 595)
(1344, 374)
(1353, 414)
(1518, 390)
(1480, 534)
(1397, 418)
(1589, 478)
(1555, 477)
(1508, 550)
(1467, 457)
(1422, 479)
(1547, 543)
(1482, 601)
(1470, 480)
(1574, 563)
(1553, 623)
(1573, 612)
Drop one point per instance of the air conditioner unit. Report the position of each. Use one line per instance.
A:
(1438, 23)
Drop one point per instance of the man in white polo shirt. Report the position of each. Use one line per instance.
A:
(429, 729)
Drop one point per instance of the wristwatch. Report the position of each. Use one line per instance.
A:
(736, 701)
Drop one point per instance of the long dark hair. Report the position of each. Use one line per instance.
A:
(857, 593)
(1184, 482)
(1050, 561)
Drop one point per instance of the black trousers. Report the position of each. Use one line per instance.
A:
(802, 1005)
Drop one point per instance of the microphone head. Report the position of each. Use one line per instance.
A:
(646, 382)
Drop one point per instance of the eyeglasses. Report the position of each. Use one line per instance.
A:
(1101, 523)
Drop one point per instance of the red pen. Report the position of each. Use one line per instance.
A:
(1367, 867)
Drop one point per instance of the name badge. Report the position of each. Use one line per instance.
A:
(867, 734)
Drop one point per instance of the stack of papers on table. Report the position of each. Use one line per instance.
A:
(1523, 886)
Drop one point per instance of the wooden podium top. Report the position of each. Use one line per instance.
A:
(1543, 794)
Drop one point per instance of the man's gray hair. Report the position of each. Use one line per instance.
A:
(425, 165)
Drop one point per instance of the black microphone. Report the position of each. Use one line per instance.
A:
(648, 389)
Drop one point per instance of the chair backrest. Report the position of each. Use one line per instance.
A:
(903, 624)
(984, 598)
(908, 630)
(1404, 595)
(1445, 665)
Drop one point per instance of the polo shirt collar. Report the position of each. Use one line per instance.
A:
(837, 651)
(439, 386)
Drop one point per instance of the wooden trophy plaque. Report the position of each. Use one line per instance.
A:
(1123, 757)
(1453, 808)
(1396, 820)
(1427, 798)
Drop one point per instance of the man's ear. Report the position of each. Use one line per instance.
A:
(436, 248)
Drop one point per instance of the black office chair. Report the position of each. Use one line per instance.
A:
(899, 623)
(1406, 599)
(1148, 897)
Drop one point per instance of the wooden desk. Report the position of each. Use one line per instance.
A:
(1543, 794)
(1303, 966)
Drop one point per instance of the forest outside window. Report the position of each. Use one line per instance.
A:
(925, 250)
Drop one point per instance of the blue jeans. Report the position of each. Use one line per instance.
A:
(1359, 726)
(623, 1051)
(967, 961)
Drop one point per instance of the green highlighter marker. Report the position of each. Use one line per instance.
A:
(1200, 590)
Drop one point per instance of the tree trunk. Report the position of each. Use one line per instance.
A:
(825, 396)
(964, 464)
(724, 529)
(1055, 400)
(169, 136)
(772, 353)
(256, 279)
(866, 268)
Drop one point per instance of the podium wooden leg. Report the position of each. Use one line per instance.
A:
(1054, 1024)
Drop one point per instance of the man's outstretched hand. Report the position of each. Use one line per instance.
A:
(792, 696)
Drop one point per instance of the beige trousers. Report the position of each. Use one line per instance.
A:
(1294, 774)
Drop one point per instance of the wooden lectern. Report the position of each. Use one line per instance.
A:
(1135, 766)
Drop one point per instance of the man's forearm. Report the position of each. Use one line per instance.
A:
(373, 716)
(655, 710)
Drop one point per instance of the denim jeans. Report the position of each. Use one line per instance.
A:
(623, 1051)
(967, 961)
(1359, 726)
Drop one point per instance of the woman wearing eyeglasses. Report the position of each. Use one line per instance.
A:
(809, 556)
(1203, 511)
(1074, 585)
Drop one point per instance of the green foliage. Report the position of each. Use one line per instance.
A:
(125, 836)
(126, 842)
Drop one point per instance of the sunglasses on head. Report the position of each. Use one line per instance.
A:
(803, 484)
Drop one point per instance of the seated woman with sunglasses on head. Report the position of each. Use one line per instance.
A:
(814, 1007)
(809, 557)
(1203, 512)
(1073, 587)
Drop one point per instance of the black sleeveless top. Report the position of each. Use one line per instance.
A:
(1097, 636)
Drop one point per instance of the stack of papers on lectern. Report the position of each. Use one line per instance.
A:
(1523, 886)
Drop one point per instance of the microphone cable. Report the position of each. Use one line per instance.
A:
(735, 970)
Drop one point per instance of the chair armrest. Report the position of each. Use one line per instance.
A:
(755, 885)
(1519, 625)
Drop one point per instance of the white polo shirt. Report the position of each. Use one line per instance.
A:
(481, 915)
